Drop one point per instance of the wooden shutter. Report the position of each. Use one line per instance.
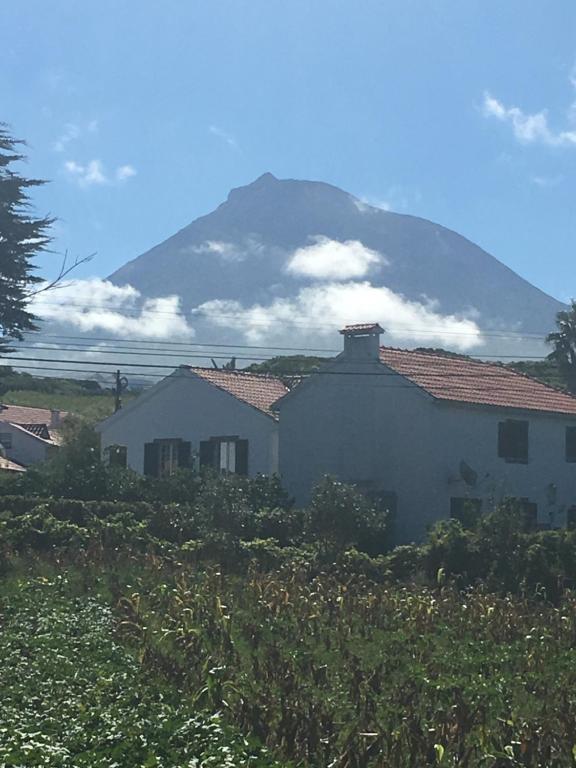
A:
(184, 451)
(207, 453)
(151, 459)
(513, 440)
(117, 456)
(241, 457)
(571, 444)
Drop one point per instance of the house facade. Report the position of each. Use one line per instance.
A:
(429, 434)
(28, 435)
(198, 417)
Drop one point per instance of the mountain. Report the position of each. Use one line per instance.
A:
(240, 251)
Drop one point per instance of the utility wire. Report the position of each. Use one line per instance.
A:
(503, 333)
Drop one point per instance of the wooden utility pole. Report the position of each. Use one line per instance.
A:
(121, 385)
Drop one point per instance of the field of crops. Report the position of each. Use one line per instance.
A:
(125, 650)
(72, 696)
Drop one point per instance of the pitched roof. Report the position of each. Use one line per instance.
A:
(256, 389)
(23, 414)
(470, 381)
(9, 465)
(40, 430)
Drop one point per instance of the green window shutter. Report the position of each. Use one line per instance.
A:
(242, 457)
(571, 444)
(208, 453)
(184, 452)
(151, 459)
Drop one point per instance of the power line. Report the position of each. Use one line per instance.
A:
(485, 374)
(503, 333)
(90, 349)
(190, 344)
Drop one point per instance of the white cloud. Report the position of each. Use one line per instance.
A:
(72, 132)
(125, 172)
(94, 173)
(226, 137)
(318, 311)
(329, 259)
(547, 181)
(227, 251)
(98, 305)
(371, 205)
(528, 128)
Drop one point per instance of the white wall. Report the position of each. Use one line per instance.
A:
(26, 449)
(385, 435)
(187, 407)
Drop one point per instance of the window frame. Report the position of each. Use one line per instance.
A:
(504, 441)
(211, 454)
(570, 450)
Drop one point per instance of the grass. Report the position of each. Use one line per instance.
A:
(93, 408)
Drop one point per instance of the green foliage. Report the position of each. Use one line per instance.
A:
(564, 342)
(22, 237)
(339, 516)
(289, 365)
(547, 371)
(11, 380)
(90, 407)
(72, 697)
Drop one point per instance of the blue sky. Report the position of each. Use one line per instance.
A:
(144, 114)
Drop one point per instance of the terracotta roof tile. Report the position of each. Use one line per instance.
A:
(22, 414)
(256, 389)
(470, 381)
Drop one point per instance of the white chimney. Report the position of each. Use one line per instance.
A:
(362, 341)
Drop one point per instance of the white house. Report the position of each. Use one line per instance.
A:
(198, 417)
(429, 433)
(28, 435)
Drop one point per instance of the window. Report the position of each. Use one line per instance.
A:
(6, 439)
(513, 441)
(466, 510)
(225, 454)
(164, 456)
(117, 455)
(528, 511)
(570, 444)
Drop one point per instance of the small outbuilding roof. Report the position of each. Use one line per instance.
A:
(257, 389)
(457, 378)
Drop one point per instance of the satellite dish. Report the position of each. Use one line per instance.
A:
(467, 474)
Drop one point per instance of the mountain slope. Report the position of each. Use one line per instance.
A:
(239, 252)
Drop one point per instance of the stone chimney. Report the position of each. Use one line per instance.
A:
(362, 341)
(54, 419)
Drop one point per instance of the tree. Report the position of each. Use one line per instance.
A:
(22, 237)
(564, 341)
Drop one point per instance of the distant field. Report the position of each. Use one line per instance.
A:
(91, 407)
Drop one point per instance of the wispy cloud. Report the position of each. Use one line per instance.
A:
(98, 305)
(547, 181)
(86, 175)
(125, 172)
(93, 173)
(73, 131)
(240, 251)
(532, 128)
(371, 205)
(226, 137)
(329, 259)
(317, 311)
